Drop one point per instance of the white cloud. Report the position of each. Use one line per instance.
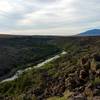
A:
(5, 6)
(48, 16)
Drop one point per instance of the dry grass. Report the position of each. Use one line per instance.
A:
(66, 96)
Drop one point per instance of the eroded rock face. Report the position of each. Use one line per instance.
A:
(89, 70)
(53, 87)
(77, 82)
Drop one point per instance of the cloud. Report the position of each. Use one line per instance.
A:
(48, 16)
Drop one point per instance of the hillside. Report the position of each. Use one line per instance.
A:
(73, 76)
(18, 52)
(93, 32)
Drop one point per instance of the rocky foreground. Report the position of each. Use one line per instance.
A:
(82, 84)
(85, 81)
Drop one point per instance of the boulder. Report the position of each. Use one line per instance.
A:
(83, 75)
(97, 57)
(84, 60)
(96, 92)
(70, 83)
(96, 98)
(80, 96)
(89, 91)
(91, 75)
(98, 73)
(97, 85)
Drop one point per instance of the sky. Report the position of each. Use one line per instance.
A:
(48, 17)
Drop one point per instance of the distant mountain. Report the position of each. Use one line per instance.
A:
(94, 32)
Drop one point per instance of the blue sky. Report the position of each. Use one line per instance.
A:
(48, 17)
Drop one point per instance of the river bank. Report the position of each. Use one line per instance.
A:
(19, 72)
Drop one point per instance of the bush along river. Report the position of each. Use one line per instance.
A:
(19, 72)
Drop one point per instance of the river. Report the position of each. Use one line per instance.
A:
(19, 72)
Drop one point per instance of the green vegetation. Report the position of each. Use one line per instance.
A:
(96, 81)
(21, 52)
(49, 81)
(66, 96)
